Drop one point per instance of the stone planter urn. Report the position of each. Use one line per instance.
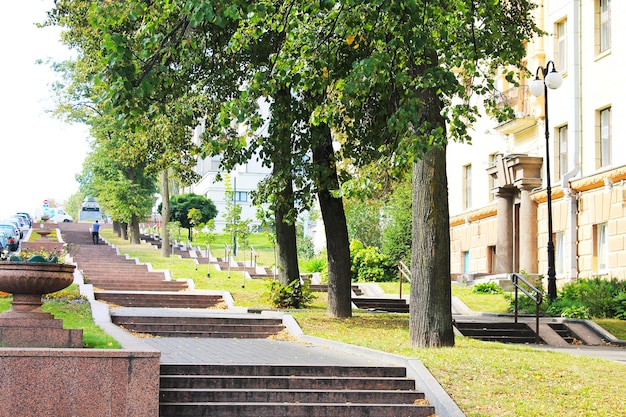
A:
(26, 324)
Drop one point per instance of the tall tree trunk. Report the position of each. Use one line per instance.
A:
(281, 126)
(124, 230)
(288, 269)
(134, 230)
(430, 323)
(165, 214)
(337, 245)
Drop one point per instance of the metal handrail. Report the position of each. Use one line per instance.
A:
(537, 297)
(405, 273)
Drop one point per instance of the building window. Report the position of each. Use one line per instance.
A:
(562, 137)
(241, 197)
(604, 137)
(466, 262)
(603, 13)
(559, 251)
(467, 186)
(560, 33)
(601, 248)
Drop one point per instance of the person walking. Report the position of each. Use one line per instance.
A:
(95, 232)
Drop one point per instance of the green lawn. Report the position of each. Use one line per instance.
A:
(485, 379)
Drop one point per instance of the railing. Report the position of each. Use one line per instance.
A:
(532, 293)
(404, 273)
(518, 98)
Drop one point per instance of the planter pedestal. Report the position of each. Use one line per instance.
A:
(26, 324)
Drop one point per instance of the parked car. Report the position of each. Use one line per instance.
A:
(4, 245)
(27, 219)
(15, 223)
(90, 204)
(59, 216)
(12, 236)
(21, 222)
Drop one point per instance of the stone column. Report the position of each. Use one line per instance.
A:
(528, 227)
(504, 241)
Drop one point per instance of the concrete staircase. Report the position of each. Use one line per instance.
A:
(125, 282)
(502, 331)
(390, 305)
(288, 390)
(239, 326)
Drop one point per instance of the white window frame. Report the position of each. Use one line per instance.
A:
(604, 138)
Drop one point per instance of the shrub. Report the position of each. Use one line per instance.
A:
(487, 288)
(619, 305)
(557, 307)
(370, 265)
(294, 295)
(524, 304)
(316, 264)
(597, 294)
(575, 312)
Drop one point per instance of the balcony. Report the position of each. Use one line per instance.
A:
(517, 98)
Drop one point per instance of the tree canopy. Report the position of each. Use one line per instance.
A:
(391, 81)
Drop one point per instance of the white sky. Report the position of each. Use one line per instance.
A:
(40, 155)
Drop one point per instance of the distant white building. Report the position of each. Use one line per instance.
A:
(243, 180)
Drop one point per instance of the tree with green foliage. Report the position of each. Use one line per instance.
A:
(183, 205)
(397, 232)
(393, 81)
(98, 84)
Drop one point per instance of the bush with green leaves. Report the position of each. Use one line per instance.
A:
(576, 312)
(619, 304)
(487, 288)
(524, 304)
(296, 294)
(596, 294)
(370, 265)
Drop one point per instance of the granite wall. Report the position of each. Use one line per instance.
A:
(38, 382)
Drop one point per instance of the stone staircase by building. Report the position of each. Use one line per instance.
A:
(288, 390)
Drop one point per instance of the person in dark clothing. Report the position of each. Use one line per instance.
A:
(95, 232)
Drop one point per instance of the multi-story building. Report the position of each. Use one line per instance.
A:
(498, 184)
(243, 180)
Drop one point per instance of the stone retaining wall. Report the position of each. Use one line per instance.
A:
(78, 382)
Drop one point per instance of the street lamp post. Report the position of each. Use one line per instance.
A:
(235, 223)
(551, 79)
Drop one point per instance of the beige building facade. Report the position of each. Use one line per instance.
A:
(498, 184)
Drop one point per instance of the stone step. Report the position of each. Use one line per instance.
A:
(160, 299)
(393, 305)
(216, 327)
(317, 382)
(141, 286)
(284, 370)
(264, 409)
(126, 276)
(503, 332)
(256, 395)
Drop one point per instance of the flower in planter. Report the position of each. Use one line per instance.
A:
(54, 256)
